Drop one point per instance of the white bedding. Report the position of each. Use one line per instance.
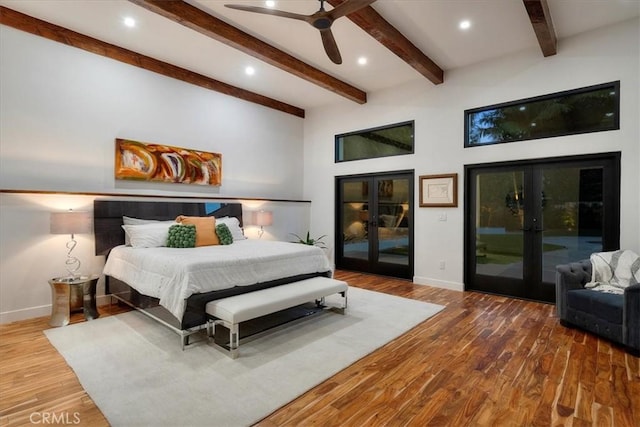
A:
(174, 274)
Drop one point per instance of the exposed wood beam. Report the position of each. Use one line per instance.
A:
(540, 17)
(63, 35)
(198, 20)
(386, 34)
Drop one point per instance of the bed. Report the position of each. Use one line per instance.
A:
(173, 285)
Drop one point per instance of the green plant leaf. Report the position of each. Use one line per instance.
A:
(308, 240)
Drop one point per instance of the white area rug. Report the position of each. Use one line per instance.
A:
(134, 370)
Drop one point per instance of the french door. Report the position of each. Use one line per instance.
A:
(374, 223)
(524, 218)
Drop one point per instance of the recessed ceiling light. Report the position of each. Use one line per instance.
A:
(464, 25)
(129, 22)
(249, 71)
(270, 3)
(362, 60)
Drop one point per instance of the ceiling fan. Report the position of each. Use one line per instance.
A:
(321, 20)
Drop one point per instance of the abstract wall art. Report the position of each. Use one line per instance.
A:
(154, 162)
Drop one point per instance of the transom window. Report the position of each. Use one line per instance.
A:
(589, 109)
(391, 140)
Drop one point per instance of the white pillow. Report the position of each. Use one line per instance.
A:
(234, 226)
(126, 220)
(152, 235)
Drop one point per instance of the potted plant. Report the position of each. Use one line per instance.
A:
(310, 241)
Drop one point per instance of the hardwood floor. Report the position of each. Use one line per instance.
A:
(483, 361)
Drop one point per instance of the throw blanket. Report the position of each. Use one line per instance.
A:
(614, 271)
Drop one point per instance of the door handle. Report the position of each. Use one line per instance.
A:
(525, 229)
(538, 229)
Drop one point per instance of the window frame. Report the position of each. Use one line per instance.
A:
(614, 85)
(338, 137)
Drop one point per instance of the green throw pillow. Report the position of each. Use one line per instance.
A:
(224, 234)
(182, 236)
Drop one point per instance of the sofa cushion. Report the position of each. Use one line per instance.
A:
(604, 305)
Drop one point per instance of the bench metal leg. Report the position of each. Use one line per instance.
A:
(342, 309)
(234, 340)
(184, 341)
(320, 303)
(234, 336)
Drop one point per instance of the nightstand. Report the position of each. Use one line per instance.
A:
(69, 294)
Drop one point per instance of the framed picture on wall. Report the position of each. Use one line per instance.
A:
(439, 191)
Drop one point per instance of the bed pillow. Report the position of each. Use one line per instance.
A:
(234, 226)
(127, 220)
(205, 229)
(152, 235)
(182, 236)
(224, 234)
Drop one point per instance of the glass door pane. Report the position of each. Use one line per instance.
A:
(355, 219)
(393, 221)
(500, 217)
(572, 206)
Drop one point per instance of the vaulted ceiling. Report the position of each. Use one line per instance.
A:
(207, 44)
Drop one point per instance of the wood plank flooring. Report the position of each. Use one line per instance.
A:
(483, 361)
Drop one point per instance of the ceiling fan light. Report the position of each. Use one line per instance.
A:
(249, 71)
(362, 60)
(270, 3)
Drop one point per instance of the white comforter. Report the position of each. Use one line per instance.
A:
(174, 274)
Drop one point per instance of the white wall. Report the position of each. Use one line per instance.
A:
(62, 108)
(597, 57)
(60, 111)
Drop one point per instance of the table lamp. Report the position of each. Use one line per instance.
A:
(72, 223)
(263, 218)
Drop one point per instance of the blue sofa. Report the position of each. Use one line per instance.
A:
(612, 316)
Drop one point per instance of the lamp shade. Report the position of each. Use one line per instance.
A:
(264, 218)
(70, 222)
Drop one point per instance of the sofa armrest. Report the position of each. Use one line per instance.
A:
(631, 317)
(570, 276)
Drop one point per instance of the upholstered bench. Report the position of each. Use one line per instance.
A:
(231, 311)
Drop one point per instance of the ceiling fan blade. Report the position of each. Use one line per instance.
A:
(330, 46)
(268, 11)
(348, 7)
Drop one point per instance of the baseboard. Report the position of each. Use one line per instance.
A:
(25, 314)
(40, 311)
(454, 286)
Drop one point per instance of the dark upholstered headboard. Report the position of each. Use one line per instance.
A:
(107, 216)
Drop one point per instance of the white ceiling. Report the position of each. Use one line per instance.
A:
(498, 27)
